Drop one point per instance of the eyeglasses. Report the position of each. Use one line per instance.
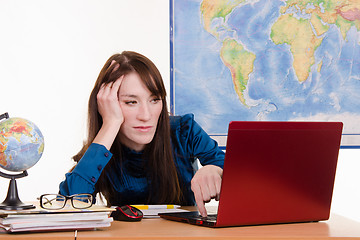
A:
(58, 201)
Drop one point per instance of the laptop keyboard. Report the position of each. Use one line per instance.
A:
(209, 218)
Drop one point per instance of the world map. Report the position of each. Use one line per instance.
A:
(266, 60)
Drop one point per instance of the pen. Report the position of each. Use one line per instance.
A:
(156, 206)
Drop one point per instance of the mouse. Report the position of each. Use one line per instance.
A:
(127, 213)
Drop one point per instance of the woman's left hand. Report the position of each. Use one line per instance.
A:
(206, 185)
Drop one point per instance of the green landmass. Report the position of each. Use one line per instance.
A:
(240, 62)
(211, 9)
(303, 42)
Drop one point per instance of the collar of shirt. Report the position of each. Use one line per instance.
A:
(134, 162)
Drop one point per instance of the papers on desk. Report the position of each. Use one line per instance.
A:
(51, 220)
(152, 211)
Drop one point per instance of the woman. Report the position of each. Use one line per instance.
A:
(135, 153)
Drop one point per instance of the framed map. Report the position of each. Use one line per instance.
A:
(274, 60)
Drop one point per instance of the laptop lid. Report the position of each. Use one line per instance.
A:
(278, 172)
(275, 172)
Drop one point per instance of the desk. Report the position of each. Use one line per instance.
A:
(337, 227)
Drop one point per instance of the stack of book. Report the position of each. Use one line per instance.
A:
(39, 220)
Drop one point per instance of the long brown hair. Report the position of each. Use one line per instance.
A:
(163, 178)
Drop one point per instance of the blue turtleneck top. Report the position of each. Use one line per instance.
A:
(189, 141)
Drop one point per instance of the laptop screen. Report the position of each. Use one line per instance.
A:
(278, 172)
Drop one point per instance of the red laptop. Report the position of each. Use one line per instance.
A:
(274, 172)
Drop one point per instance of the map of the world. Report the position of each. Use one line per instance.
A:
(268, 60)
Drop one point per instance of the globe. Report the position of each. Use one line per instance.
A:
(21, 144)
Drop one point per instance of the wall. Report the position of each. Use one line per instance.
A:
(50, 55)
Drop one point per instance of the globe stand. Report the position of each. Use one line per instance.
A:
(12, 201)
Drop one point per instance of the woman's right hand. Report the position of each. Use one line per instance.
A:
(110, 111)
(108, 102)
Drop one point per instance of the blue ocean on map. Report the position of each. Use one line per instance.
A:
(203, 85)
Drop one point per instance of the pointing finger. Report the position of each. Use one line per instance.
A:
(199, 199)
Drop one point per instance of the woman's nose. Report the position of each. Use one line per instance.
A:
(144, 112)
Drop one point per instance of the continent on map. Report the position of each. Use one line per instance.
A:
(240, 62)
(212, 9)
(298, 31)
(303, 42)
(330, 12)
(234, 56)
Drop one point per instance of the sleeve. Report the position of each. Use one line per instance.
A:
(87, 171)
(199, 143)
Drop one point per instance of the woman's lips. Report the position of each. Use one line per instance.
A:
(143, 128)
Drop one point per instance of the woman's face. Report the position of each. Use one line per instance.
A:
(141, 111)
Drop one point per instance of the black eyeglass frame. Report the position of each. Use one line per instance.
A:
(65, 199)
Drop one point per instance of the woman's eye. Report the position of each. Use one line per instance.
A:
(156, 100)
(130, 102)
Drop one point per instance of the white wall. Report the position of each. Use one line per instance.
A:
(51, 52)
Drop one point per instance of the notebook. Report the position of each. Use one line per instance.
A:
(274, 172)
